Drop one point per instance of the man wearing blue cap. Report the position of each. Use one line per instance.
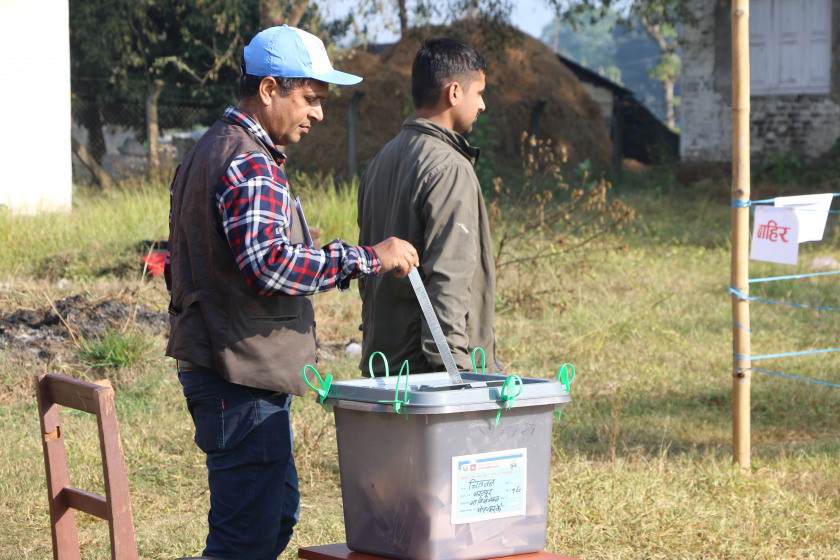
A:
(236, 251)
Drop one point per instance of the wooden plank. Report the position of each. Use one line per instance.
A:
(85, 501)
(74, 393)
(65, 539)
(341, 552)
(121, 522)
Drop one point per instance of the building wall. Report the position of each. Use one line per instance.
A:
(807, 124)
(35, 93)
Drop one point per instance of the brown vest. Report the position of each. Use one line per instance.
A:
(218, 321)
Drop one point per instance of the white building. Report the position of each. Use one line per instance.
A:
(35, 96)
(794, 80)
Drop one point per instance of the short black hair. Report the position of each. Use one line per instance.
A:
(249, 85)
(438, 61)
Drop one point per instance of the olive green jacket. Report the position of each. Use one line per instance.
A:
(422, 188)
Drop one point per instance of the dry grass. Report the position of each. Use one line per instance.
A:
(649, 478)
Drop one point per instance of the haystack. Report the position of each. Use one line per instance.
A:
(519, 73)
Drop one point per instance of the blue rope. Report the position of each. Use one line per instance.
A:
(741, 357)
(793, 377)
(740, 325)
(793, 277)
(744, 297)
(738, 203)
(741, 295)
(799, 305)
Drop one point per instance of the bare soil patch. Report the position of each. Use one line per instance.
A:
(42, 335)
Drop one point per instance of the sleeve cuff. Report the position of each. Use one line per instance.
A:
(368, 261)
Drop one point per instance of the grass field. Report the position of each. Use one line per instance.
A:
(642, 462)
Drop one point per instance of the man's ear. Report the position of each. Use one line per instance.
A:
(267, 86)
(453, 93)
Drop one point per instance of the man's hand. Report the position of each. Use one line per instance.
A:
(397, 254)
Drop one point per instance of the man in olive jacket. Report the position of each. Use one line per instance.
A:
(422, 187)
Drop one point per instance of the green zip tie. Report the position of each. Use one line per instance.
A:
(370, 364)
(475, 369)
(325, 385)
(563, 378)
(506, 396)
(398, 403)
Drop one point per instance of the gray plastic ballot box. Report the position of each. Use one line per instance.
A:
(439, 481)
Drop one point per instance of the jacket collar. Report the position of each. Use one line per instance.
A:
(449, 136)
(243, 119)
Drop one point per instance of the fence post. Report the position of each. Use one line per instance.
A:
(352, 132)
(740, 231)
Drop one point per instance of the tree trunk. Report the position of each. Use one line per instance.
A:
(272, 15)
(668, 88)
(92, 121)
(403, 18)
(668, 83)
(86, 158)
(155, 87)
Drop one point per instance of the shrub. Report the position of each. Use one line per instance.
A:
(539, 219)
(782, 168)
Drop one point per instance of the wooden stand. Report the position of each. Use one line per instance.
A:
(341, 552)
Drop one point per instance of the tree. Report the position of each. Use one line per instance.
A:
(129, 50)
(279, 12)
(661, 19)
(422, 12)
(668, 73)
(590, 45)
(403, 14)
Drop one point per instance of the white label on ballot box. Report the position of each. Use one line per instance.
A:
(489, 485)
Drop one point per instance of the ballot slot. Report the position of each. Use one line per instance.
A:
(460, 386)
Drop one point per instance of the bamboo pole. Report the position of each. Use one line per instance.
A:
(740, 231)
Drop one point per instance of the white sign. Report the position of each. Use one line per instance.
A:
(489, 485)
(775, 235)
(811, 211)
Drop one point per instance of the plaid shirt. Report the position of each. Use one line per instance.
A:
(256, 207)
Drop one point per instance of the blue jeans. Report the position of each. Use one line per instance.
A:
(247, 437)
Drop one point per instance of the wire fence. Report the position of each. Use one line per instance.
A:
(114, 134)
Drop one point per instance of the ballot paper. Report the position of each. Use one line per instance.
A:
(811, 211)
(775, 235)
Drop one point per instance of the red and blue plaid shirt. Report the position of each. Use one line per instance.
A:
(256, 207)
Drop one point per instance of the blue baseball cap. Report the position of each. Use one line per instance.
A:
(289, 52)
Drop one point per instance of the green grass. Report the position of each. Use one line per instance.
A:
(114, 349)
(96, 239)
(329, 206)
(645, 314)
